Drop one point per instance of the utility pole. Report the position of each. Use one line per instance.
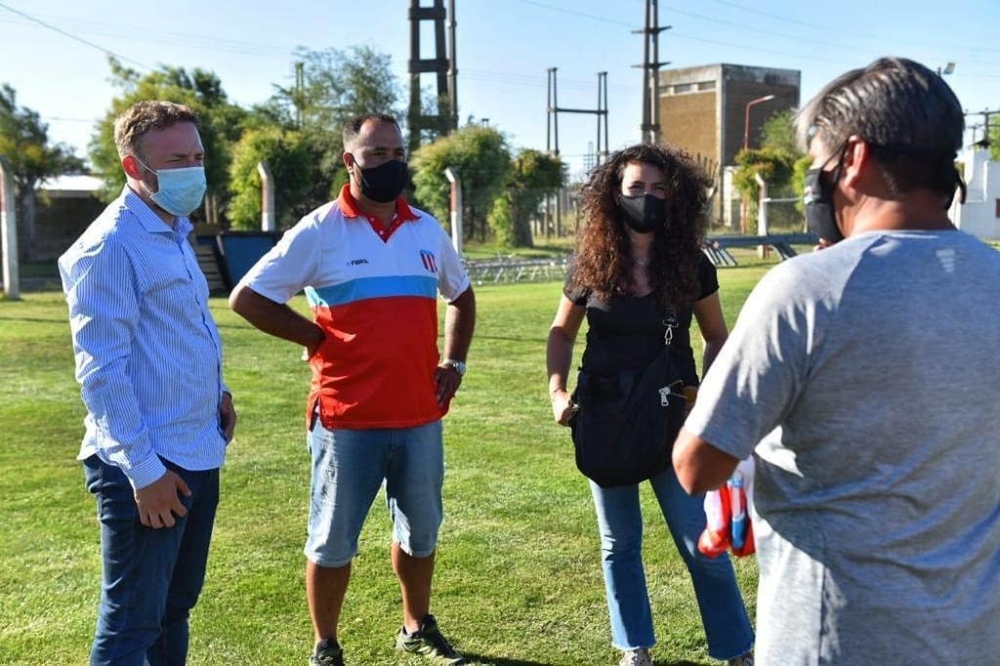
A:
(651, 73)
(553, 110)
(972, 129)
(300, 94)
(985, 141)
(552, 129)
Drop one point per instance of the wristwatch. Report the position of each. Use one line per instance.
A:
(459, 366)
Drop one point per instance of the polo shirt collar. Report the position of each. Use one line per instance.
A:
(349, 206)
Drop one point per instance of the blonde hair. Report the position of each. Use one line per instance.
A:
(143, 117)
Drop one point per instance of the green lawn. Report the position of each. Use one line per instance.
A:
(519, 578)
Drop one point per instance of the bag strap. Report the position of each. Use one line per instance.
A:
(670, 322)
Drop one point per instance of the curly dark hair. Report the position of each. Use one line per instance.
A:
(603, 262)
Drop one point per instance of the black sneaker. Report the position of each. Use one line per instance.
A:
(429, 643)
(328, 653)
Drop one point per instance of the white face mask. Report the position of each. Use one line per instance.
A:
(180, 190)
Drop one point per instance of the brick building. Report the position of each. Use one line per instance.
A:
(704, 110)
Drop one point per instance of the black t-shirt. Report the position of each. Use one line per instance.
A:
(627, 333)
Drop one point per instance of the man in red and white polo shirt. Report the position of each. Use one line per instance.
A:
(371, 267)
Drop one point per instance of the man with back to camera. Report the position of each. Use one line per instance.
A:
(149, 362)
(861, 372)
(371, 266)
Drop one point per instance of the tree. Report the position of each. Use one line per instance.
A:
(779, 132)
(994, 136)
(291, 164)
(774, 165)
(799, 169)
(533, 176)
(220, 124)
(24, 141)
(338, 85)
(482, 159)
(299, 131)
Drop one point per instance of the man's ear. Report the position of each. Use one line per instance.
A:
(348, 161)
(132, 168)
(857, 159)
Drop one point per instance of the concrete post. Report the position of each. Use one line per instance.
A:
(267, 221)
(8, 232)
(456, 208)
(763, 200)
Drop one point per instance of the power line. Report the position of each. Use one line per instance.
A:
(745, 27)
(751, 28)
(574, 12)
(852, 33)
(72, 36)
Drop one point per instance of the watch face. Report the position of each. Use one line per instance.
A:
(459, 367)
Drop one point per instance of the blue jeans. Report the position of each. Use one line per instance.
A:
(349, 467)
(151, 577)
(619, 519)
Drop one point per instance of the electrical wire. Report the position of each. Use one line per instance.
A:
(73, 37)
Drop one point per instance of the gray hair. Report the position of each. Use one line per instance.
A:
(907, 114)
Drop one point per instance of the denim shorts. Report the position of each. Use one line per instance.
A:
(349, 467)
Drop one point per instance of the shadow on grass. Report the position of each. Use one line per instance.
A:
(490, 661)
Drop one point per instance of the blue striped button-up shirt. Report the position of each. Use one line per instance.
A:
(148, 354)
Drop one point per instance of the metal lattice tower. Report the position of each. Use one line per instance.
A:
(443, 66)
(553, 110)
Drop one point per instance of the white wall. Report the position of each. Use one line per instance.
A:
(979, 214)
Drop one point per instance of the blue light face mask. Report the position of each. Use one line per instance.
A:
(180, 190)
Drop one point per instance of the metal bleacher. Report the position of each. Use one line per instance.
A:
(512, 269)
(717, 247)
(223, 268)
(212, 265)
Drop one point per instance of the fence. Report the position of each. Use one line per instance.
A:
(512, 269)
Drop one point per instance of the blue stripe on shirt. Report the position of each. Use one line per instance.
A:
(374, 287)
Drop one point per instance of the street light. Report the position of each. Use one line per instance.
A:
(745, 205)
(746, 124)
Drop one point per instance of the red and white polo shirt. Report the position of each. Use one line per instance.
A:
(374, 293)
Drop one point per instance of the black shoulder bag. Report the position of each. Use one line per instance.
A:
(624, 425)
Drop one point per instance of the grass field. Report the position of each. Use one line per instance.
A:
(518, 580)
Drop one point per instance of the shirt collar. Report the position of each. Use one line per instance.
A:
(152, 222)
(349, 206)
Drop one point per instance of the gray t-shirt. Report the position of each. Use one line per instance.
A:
(869, 373)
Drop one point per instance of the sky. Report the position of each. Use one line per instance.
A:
(54, 52)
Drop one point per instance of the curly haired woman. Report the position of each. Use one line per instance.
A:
(638, 257)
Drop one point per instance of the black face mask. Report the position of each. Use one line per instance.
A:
(383, 183)
(644, 212)
(818, 199)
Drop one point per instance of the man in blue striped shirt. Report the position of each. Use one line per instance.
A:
(149, 362)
